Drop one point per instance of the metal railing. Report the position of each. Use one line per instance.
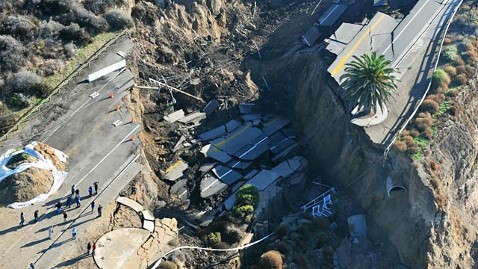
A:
(387, 149)
(25, 117)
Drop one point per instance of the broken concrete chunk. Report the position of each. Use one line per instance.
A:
(175, 171)
(213, 134)
(251, 117)
(246, 108)
(148, 225)
(175, 116)
(232, 125)
(230, 201)
(251, 174)
(274, 125)
(195, 118)
(147, 215)
(263, 179)
(254, 149)
(179, 144)
(215, 153)
(226, 174)
(137, 207)
(210, 185)
(179, 188)
(239, 164)
(211, 107)
(285, 152)
(237, 140)
(195, 81)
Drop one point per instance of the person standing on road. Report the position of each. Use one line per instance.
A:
(73, 233)
(93, 248)
(68, 201)
(100, 208)
(65, 216)
(88, 248)
(95, 184)
(92, 207)
(22, 219)
(58, 207)
(50, 232)
(31, 266)
(90, 191)
(78, 201)
(35, 216)
(77, 192)
(73, 189)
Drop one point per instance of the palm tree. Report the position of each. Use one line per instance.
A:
(369, 81)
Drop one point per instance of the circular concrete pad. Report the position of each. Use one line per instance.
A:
(113, 250)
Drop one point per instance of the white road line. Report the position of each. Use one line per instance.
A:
(406, 26)
(84, 209)
(64, 195)
(84, 104)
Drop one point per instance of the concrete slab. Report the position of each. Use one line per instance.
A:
(251, 117)
(180, 188)
(332, 14)
(278, 142)
(346, 32)
(263, 179)
(369, 38)
(246, 108)
(207, 167)
(311, 35)
(226, 174)
(210, 107)
(237, 140)
(114, 249)
(254, 149)
(175, 116)
(230, 201)
(251, 174)
(211, 151)
(137, 207)
(335, 47)
(147, 215)
(357, 225)
(194, 118)
(241, 165)
(175, 171)
(148, 225)
(232, 125)
(210, 185)
(285, 152)
(274, 125)
(213, 134)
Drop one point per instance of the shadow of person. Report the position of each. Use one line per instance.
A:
(35, 242)
(11, 229)
(72, 261)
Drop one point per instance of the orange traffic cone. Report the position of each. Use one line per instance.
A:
(132, 138)
(111, 95)
(132, 119)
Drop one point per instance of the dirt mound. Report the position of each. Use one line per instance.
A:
(25, 186)
(49, 153)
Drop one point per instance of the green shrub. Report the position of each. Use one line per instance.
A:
(19, 100)
(168, 265)
(450, 53)
(440, 76)
(460, 80)
(243, 210)
(272, 259)
(429, 105)
(451, 70)
(118, 20)
(247, 194)
(18, 26)
(74, 33)
(12, 54)
(213, 238)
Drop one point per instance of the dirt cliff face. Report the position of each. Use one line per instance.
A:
(345, 157)
(449, 166)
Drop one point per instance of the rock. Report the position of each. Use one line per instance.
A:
(215, 6)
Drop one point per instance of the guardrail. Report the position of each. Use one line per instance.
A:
(24, 118)
(387, 149)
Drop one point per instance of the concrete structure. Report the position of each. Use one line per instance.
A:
(107, 70)
(113, 250)
(332, 14)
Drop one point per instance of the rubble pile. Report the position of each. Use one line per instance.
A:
(256, 148)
